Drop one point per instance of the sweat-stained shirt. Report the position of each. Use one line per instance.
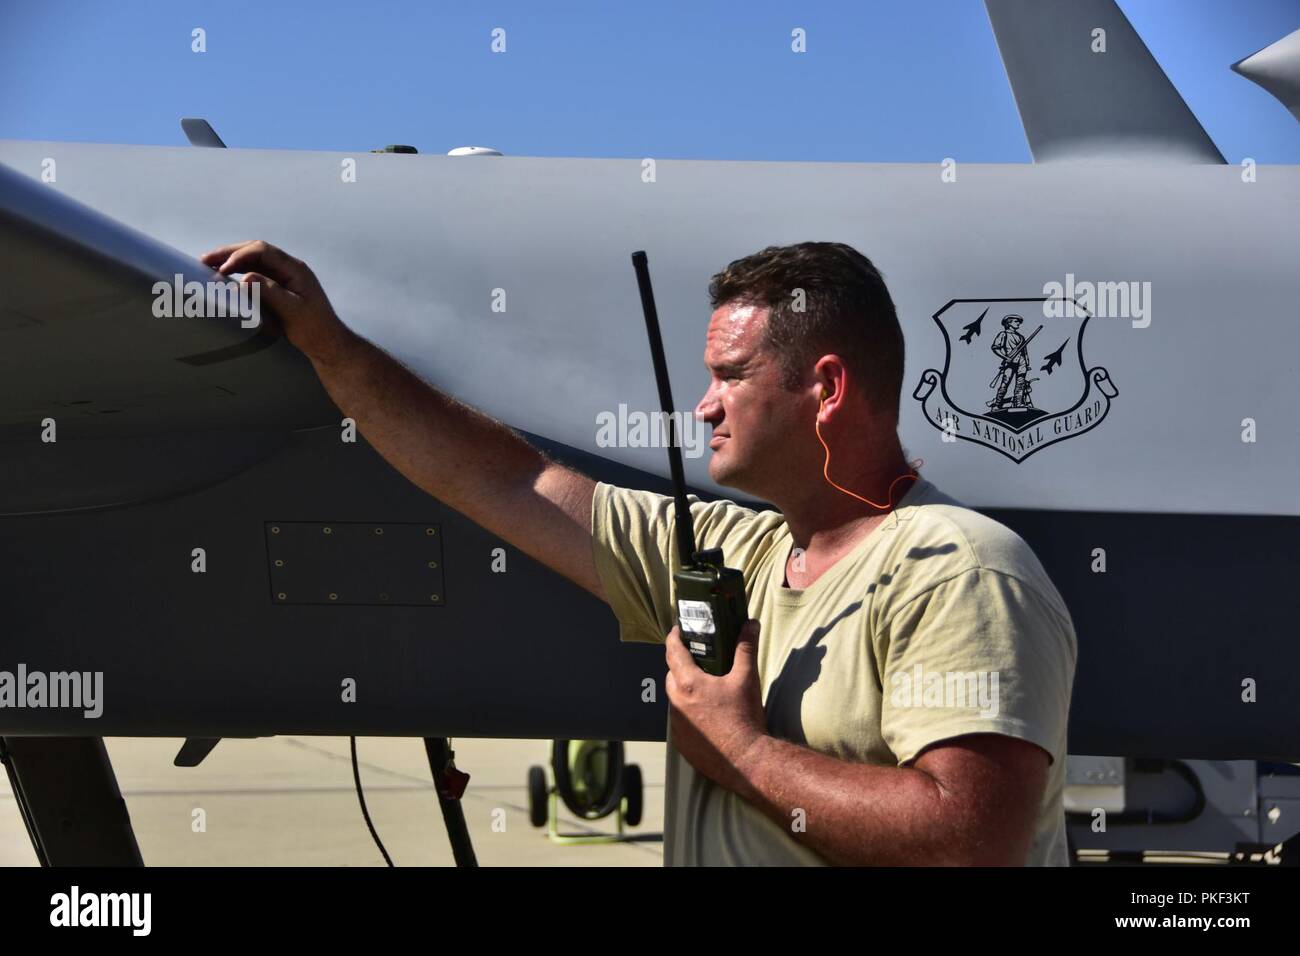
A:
(940, 622)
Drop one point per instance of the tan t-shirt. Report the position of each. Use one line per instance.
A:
(941, 622)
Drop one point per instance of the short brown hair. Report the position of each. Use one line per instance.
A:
(847, 310)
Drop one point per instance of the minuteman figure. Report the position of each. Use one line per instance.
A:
(1005, 344)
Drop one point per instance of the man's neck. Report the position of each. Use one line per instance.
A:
(823, 519)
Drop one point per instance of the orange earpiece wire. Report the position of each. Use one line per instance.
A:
(826, 473)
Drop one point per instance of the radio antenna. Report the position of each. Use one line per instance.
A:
(685, 528)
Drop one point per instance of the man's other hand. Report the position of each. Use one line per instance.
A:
(716, 720)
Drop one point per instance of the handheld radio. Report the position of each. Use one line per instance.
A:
(711, 604)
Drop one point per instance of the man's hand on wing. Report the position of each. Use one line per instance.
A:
(716, 720)
(292, 291)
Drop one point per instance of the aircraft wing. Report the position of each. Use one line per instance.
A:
(81, 347)
(80, 336)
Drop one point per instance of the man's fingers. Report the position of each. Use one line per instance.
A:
(259, 255)
(220, 254)
(277, 296)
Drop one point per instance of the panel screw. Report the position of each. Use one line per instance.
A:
(433, 564)
(379, 531)
(333, 596)
(279, 563)
(429, 531)
(329, 530)
(383, 597)
(433, 597)
(274, 530)
(280, 595)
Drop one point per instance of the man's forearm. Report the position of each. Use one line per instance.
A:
(852, 814)
(464, 458)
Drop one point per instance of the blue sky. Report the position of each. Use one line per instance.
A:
(881, 82)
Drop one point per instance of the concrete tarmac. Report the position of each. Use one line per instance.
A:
(290, 801)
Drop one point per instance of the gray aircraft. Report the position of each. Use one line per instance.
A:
(184, 514)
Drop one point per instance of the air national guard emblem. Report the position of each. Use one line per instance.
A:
(1014, 377)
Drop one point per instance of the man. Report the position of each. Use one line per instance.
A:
(906, 701)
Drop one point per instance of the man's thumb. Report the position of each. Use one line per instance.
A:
(747, 641)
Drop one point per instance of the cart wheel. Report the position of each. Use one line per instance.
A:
(537, 796)
(632, 793)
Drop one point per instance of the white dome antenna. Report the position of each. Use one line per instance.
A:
(474, 151)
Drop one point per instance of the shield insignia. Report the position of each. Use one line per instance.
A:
(1014, 378)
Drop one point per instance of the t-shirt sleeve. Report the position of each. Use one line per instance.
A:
(980, 652)
(634, 543)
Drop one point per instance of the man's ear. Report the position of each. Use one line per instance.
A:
(832, 375)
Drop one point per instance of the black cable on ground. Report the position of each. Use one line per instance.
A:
(356, 775)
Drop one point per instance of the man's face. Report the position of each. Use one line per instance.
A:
(752, 415)
(1013, 324)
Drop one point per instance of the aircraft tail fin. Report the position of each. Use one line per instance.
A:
(1078, 103)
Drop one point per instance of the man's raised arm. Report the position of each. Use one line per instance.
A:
(465, 459)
